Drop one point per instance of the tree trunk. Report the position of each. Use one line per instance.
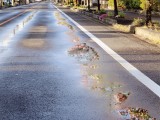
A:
(149, 14)
(88, 4)
(1, 3)
(115, 8)
(98, 3)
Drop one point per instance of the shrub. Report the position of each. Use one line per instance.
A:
(71, 4)
(153, 3)
(121, 14)
(120, 27)
(82, 6)
(123, 4)
(74, 7)
(110, 14)
(156, 25)
(138, 22)
(102, 11)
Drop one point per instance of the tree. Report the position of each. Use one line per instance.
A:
(129, 4)
(1, 3)
(153, 3)
(115, 8)
(132, 4)
(98, 4)
(88, 4)
(149, 6)
(75, 2)
(110, 3)
(148, 12)
(136, 4)
(113, 3)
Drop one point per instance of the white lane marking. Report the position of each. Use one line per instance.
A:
(130, 68)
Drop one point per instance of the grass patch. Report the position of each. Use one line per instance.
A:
(124, 28)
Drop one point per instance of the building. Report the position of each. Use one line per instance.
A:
(104, 3)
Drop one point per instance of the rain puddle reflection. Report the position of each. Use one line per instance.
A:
(71, 32)
(17, 28)
(62, 21)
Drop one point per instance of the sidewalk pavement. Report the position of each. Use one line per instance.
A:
(131, 15)
(142, 55)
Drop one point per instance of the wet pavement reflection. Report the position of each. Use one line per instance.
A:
(16, 30)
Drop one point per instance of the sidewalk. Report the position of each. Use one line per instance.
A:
(131, 15)
(142, 55)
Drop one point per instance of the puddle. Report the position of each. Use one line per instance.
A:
(98, 82)
(62, 21)
(135, 114)
(73, 36)
(83, 53)
(65, 24)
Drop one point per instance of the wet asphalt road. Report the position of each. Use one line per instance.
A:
(44, 77)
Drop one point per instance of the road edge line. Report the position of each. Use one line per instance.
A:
(141, 77)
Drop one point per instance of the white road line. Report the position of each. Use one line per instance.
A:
(130, 68)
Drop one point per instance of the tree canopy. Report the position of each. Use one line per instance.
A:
(135, 4)
(145, 4)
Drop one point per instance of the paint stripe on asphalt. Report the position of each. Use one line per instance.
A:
(6, 21)
(130, 68)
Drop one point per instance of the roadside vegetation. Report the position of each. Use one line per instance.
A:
(144, 7)
(123, 15)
